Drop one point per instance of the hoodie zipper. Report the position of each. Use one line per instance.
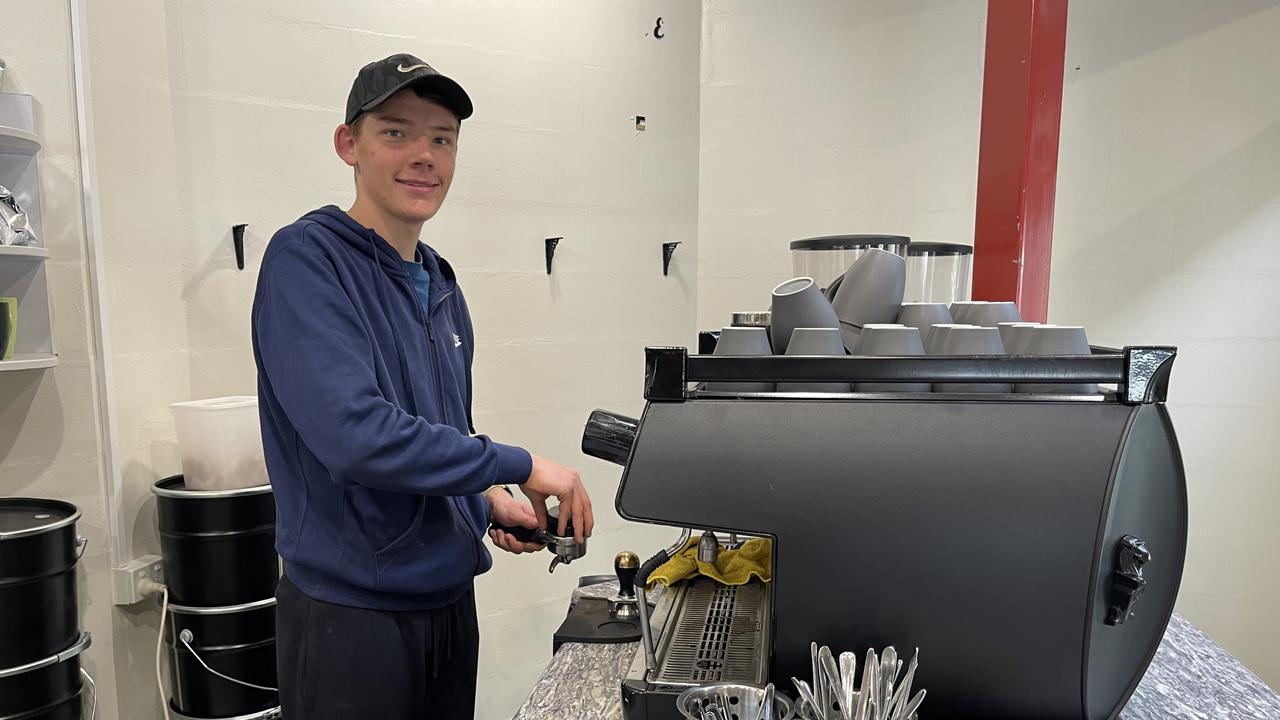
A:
(439, 388)
(435, 357)
(431, 338)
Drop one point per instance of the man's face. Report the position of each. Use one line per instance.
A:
(404, 153)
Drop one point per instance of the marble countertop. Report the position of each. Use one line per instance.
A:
(1191, 677)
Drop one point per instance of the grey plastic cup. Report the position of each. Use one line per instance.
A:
(971, 341)
(798, 303)
(1014, 334)
(923, 316)
(742, 341)
(871, 289)
(890, 340)
(815, 341)
(960, 310)
(1056, 340)
(991, 314)
(933, 345)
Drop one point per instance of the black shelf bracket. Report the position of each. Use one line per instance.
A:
(668, 249)
(550, 245)
(237, 241)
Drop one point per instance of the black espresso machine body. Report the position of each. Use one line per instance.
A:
(1030, 546)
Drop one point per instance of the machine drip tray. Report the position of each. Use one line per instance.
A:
(717, 635)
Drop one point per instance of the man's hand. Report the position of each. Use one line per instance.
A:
(508, 511)
(551, 479)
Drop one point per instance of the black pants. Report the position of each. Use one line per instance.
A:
(343, 663)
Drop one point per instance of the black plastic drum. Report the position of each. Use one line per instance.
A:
(233, 642)
(38, 553)
(48, 689)
(218, 545)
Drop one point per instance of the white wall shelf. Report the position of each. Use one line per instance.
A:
(23, 253)
(14, 141)
(22, 269)
(28, 361)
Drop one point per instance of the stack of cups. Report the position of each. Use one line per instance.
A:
(221, 569)
(815, 341)
(893, 340)
(923, 316)
(1050, 340)
(958, 339)
(40, 636)
(742, 341)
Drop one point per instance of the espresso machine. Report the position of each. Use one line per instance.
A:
(1030, 545)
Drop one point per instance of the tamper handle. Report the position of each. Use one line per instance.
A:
(626, 564)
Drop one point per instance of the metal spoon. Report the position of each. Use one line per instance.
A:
(888, 673)
(911, 707)
(806, 695)
(832, 682)
(904, 690)
(766, 708)
(848, 670)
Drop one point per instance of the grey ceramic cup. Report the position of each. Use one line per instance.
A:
(798, 303)
(960, 310)
(971, 341)
(991, 314)
(1013, 334)
(890, 340)
(742, 341)
(815, 341)
(933, 345)
(870, 291)
(923, 316)
(1056, 340)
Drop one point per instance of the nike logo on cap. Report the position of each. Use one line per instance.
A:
(410, 68)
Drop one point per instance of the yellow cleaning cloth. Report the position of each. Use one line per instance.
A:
(754, 558)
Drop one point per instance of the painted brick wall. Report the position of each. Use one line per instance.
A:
(231, 111)
(48, 433)
(1167, 228)
(830, 117)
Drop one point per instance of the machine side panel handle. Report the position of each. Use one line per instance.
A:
(1127, 583)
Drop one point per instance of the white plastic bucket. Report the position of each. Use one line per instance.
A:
(220, 441)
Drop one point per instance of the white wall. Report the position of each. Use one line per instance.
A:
(828, 117)
(229, 120)
(48, 431)
(1167, 230)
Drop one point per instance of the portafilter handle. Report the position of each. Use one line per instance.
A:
(563, 547)
(609, 436)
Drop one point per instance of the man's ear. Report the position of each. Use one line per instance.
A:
(344, 143)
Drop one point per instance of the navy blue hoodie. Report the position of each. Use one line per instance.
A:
(365, 402)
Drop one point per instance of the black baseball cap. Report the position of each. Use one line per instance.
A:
(381, 79)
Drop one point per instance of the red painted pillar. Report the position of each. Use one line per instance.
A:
(1018, 153)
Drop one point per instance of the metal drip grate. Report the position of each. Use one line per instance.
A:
(717, 637)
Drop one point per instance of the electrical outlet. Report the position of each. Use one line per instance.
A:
(126, 581)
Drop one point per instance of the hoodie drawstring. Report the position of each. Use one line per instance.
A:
(442, 630)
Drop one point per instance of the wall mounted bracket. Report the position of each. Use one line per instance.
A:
(237, 240)
(550, 244)
(668, 249)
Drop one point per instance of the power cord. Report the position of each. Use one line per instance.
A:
(151, 587)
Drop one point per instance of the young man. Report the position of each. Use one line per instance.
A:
(384, 493)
